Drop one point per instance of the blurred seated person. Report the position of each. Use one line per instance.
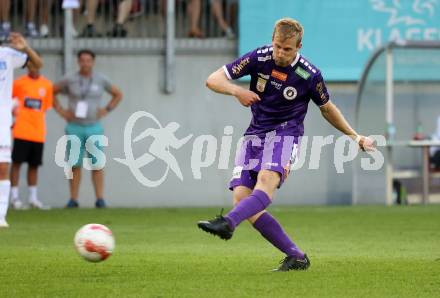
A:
(193, 10)
(5, 24)
(43, 7)
(217, 11)
(124, 8)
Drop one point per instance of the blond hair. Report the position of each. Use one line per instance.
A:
(286, 28)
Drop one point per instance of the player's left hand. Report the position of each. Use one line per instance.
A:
(17, 41)
(366, 144)
(101, 113)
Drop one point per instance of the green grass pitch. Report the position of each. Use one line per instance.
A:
(355, 252)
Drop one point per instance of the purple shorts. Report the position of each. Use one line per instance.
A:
(275, 153)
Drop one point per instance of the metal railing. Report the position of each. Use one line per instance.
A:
(146, 18)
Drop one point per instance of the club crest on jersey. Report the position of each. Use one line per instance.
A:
(261, 84)
(42, 92)
(279, 75)
(290, 93)
(2, 65)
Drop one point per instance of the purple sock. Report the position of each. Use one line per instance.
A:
(256, 202)
(270, 229)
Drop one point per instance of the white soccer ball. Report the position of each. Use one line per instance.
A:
(94, 242)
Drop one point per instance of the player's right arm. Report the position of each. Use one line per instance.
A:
(219, 82)
(65, 113)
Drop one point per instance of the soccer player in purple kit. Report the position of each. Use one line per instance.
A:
(282, 84)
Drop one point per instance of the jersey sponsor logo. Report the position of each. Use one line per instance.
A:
(32, 103)
(264, 58)
(290, 93)
(261, 84)
(236, 69)
(279, 75)
(276, 85)
(266, 77)
(302, 73)
(3, 65)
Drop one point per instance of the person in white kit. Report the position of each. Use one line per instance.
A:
(17, 53)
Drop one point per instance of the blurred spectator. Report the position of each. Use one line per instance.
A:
(5, 28)
(85, 90)
(89, 30)
(137, 9)
(193, 10)
(31, 9)
(43, 8)
(124, 9)
(435, 151)
(217, 11)
(34, 94)
(118, 30)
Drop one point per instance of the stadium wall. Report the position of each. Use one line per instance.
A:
(199, 112)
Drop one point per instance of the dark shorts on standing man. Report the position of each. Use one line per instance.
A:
(27, 152)
(275, 153)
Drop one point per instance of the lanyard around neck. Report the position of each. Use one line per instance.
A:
(85, 88)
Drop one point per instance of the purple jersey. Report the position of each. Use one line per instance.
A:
(285, 92)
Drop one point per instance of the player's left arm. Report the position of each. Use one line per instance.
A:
(19, 43)
(320, 96)
(116, 97)
(334, 116)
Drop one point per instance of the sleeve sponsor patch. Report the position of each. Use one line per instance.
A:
(320, 89)
(236, 69)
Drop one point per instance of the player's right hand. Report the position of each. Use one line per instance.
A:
(247, 97)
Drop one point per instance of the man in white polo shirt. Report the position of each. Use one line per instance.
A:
(17, 53)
